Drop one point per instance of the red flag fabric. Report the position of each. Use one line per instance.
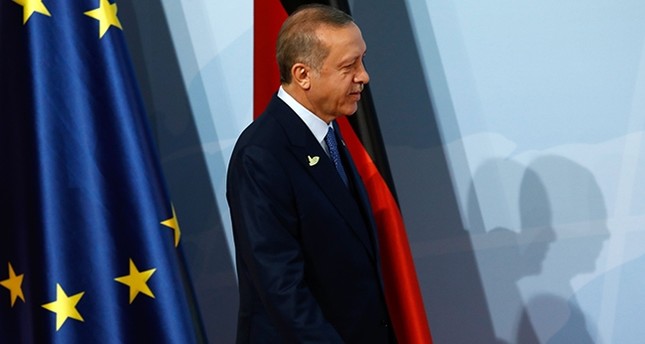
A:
(268, 17)
(402, 292)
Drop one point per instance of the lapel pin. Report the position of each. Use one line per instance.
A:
(313, 160)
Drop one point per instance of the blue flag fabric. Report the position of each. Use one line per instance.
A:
(88, 237)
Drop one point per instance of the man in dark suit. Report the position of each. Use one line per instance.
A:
(306, 246)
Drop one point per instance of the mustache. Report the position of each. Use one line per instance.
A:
(359, 89)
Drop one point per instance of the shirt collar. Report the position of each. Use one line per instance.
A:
(317, 126)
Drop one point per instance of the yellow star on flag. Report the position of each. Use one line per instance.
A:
(136, 280)
(31, 6)
(14, 284)
(174, 224)
(64, 306)
(106, 15)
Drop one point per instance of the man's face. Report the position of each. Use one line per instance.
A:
(336, 88)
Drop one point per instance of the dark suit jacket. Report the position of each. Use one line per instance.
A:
(306, 249)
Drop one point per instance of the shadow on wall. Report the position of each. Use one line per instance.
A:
(510, 250)
(184, 163)
(548, 225)
(579, 219)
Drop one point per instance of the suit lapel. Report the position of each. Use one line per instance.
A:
(304, 146)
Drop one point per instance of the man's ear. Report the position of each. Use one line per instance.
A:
(300, 74)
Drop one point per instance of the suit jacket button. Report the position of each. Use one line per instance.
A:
(384, 323)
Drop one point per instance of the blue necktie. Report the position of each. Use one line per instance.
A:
(334, 154)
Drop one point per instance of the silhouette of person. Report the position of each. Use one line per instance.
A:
(511, 250)
(576, 211)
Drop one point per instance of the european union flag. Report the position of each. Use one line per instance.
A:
(88, 237)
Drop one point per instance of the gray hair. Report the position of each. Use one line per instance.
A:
(298, 41)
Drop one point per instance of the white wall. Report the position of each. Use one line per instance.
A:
(541, 106)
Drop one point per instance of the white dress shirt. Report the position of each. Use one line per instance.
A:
(317, 126)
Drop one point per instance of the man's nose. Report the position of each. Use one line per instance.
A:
(362, 77)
